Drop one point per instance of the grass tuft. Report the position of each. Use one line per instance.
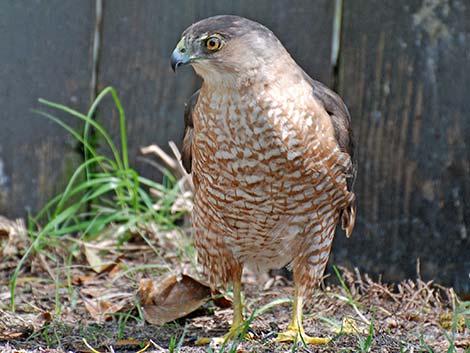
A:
(103, 191)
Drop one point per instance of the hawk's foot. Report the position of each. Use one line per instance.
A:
(296, 334)
(234, 332)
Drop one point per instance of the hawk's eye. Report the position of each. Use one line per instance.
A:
(213, 43)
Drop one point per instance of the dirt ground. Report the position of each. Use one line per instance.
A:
(82, 297)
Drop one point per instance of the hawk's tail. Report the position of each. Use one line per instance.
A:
(348, 218)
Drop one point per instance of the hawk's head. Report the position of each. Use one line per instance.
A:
(223, 46)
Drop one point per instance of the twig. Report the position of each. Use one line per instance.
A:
(359, 279)
(161, 154)
(173, 163)
(156, 346)
(145, 348)
(89, 347)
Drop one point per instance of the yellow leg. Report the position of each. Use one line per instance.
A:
(295, 330)
(237, 323)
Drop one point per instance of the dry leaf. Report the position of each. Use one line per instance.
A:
(13, 325)
(102, 310)
(13, 236)
(115, 268)
(79, 280)
(222, 301)
(94, 260)
(92, 291)
(40, 320)
(172, 298)
(6, 336)
(98, 265)
(127, 342)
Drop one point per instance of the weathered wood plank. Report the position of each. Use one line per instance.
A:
(405, 68)
(45, 52)
(138, 39)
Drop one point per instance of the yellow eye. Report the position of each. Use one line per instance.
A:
(213, 43)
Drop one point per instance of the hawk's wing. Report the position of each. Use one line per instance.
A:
(339, 114)
(186, 157)
(341, 121)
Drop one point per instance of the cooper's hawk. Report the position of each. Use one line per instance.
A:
(270, 151)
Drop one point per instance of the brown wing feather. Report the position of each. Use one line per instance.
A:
(341, 121)
(186, 156)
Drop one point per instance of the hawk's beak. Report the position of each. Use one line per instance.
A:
(179, 56)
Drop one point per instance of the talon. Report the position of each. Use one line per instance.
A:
(238, 323)
(294, 335)
(212, 341)
(232, 333)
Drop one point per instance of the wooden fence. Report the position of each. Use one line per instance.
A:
(403, 69)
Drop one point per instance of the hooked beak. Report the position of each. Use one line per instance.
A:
(179, 56)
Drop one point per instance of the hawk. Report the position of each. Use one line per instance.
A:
(271, 155)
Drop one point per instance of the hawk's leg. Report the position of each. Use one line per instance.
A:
(238, 323)
(295, 331)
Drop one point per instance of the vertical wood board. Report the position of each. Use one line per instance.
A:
(404, 73)
(44, 51)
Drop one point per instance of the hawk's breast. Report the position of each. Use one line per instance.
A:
(256, 189)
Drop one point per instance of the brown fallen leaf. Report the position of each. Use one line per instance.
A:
(6, 336)
(116, 268)
(41, 319)
(13, 236)
(127, 342)
(222, 301)
(79, 280)
(172, 298)
(102, 310)
(97, 264)
(94, 260)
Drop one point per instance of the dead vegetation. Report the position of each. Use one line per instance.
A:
(111, 296)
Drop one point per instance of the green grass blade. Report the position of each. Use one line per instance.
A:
(99, 128)
(122, 119)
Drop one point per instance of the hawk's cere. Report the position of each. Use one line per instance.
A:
(271, 155)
